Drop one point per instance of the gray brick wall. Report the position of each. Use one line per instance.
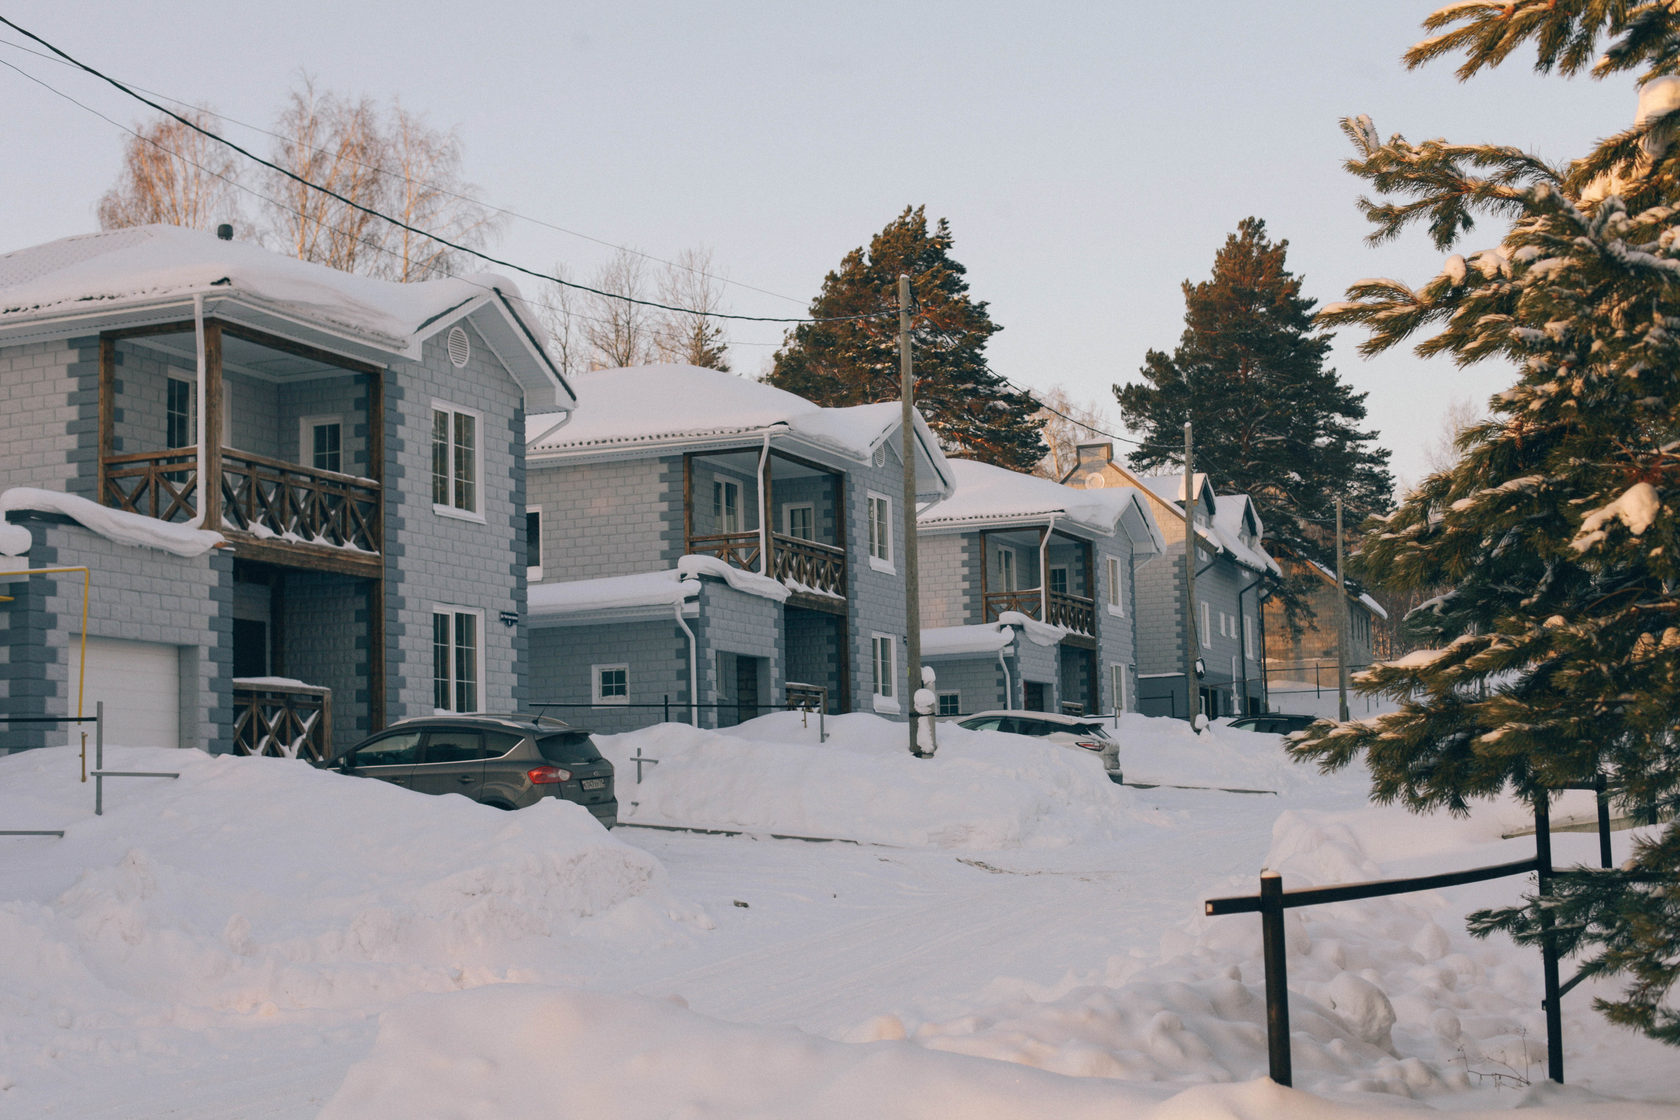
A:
(978, 681)
(877, 597)
(656, 654)
(41, 391)
(607, 519)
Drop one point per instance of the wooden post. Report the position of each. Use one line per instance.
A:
(1192, 690)
(1341, 625)
(1548, 941)
(210, 470)
(107, 410)
(1277, 977)
(912, 593)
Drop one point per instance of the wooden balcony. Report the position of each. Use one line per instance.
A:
(808, 565)
(282, 719)
(266, 498)
(1070, 612)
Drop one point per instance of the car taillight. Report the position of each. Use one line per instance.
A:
(548, 775)
(1089, 744)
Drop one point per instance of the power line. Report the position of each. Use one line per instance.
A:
(429, 186)
(370, 211)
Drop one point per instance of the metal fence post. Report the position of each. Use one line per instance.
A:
(1277, 977)
(1601, 787)
(1548, 940)
(98, 758)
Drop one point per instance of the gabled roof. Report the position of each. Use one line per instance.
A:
(656, 407)
(985, 495)
(1220, 520)
(150, 274)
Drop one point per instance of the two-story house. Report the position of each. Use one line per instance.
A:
(297, 493)
(1305, 659)
(707, 548)
(1225, 622)
(1027, 592)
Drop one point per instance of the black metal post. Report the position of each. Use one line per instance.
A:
(1548, 940)
(1277, 977)
(667, 707)
(1602, 788)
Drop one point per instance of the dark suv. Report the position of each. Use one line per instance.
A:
(1274, 723)
(506, 761)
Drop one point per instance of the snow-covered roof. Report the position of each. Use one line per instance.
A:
(1226, 529)
(1363, 599)
(589, 599)
(112, 524)
(958, 641)
(135, 272)
(662, 405)
(988, 495)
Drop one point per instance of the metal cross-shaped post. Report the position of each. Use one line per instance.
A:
(638, 760)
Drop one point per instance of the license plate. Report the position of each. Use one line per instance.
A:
(594, 783)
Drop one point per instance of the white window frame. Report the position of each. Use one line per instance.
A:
(1050, 579)
(1009, 578)
(952, 695)
(1206, 627)
(453, 613)
(880, 532)
(787, 519)
(306, 440)
(886, 687)
(452, 473)
(192, 410)
(598, 695)
(1116, 587)
(1248, 638)
(724, 519)
(533, 572)
(1122, 688)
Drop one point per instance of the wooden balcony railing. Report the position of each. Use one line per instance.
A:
(282, 719)
(299, 503)
(814, 566)
(1069, 611)
(160, 484)
(261, 496)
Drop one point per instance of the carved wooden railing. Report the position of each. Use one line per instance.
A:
(1069, 611)
(738, 550)
(267, 496)
(160, 484)
(282, 719)
(819, 567)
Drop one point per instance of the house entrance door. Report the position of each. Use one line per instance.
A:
(746, 687)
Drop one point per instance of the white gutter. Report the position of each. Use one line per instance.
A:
(763, 513)
(693, 667)
(203, 378)
(1008, 685)
(565, 418)
(1044, 571)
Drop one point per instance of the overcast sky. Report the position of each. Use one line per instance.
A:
(1088, 160)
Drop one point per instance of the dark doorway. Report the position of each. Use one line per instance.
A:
(250, 648)
(746, 687)
(1034, 698)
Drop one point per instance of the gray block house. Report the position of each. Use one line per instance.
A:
(297, 494)
(1028, 592)
(1226, 621)
(706, 548)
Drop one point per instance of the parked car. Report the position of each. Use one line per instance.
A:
(1072, 731)
(1274, 723)
(508, 761)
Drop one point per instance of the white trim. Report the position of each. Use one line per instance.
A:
(954, 694)
(1205, 636)
(876, 561)
(885, 688)
(453, 612)
(533, 572)
(474, 512)
(306, 437)
(1248, 637)
(787, 519)
(1116, 587)
(1117, 679)
(1009, 577)
(722, 488)
(596, 696)
(1050, 578)
(192, 408)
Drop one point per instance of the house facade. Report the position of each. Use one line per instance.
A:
(1028, 593)
(708, 548)
(1225, 624)
(1306, 660)
(296, 493)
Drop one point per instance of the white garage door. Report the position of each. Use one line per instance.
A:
(140, 683)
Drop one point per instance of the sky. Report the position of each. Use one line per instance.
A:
(1089, 158)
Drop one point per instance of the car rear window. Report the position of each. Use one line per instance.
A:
(1094, 730)
(568, 747)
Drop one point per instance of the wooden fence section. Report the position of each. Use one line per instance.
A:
(299, 503)
(820, 567)
(282, 720)
(1069, 611)
(160, 484)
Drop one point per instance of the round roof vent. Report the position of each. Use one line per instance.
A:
(459, 348)
(1095, 482)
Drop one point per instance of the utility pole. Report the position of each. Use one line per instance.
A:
(1341, 624)
(1191, 685)
(912, 597)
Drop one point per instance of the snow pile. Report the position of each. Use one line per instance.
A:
(112, 524)
(983, 791)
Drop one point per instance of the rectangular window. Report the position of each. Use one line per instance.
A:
(1006, 570)
(1248, 638)
(800, 521)
(726, 506)
(323, 443)
(1116, 587)
(180, 417)
(885, 649)
(950, 703)
(612, 684)
(1117, 673)
(1058, 580)
(880, 532)
(533, 545)
(1207, 630)
(455, 459)
(455, 642)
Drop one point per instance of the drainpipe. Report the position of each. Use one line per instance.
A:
(1242, 638)
(203, 378)
(1008, 685)
(763, 514)
(693, 668)
(1044, 571)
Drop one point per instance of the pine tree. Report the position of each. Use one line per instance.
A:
(855, 361)
(1269, 419)
(1556, 651)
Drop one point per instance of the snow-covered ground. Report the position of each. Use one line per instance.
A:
(997, 932)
